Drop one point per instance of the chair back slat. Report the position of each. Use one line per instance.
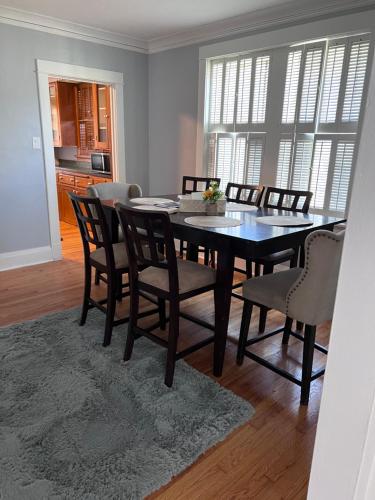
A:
(190, 183)
(248, 194)
(92, 225)
(144, 234)
(287, 199)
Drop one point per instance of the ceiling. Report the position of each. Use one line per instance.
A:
(149, 20)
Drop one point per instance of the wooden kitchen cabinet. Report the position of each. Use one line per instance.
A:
(71, 182)
(85, 120)
(63, 113)
(102, 116)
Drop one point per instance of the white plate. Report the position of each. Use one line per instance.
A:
(284, 220)
(150, 201)
(212, 221)
(239, 207)
(157, 209)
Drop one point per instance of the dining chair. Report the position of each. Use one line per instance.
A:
(103, 256)
(170, 279)
(247, 194)
(191, 184)
(289, 200)
(306, 295)
(109, 191)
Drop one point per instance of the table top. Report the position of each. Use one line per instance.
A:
(250, 230)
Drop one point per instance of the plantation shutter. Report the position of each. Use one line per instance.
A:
(260, 89)
(244, 89)
(332, 83)
(341, 176)
(254, 161)
(215, 92)
(319, 171)
(291, 86)
(302, 162)
(224, 159)
(283, 164)
(310, 85)
(229, 94)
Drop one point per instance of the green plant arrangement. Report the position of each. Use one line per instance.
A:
(213, 193)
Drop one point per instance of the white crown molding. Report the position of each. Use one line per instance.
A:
(260, 20)
(56, 26)
(257, 21)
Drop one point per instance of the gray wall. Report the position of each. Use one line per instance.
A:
(23, 205)
(173, 105)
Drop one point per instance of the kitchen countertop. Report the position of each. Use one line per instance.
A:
(83, 170)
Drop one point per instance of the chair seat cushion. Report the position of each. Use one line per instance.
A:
(119, 252)
(276, 257)
(191, 276)
(271, 290)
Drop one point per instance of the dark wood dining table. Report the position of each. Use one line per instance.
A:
(249, 240)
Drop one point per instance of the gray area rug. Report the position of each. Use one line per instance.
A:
(76, 422)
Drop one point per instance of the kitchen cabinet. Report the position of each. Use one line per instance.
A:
(71, 182)
(85, 120)
(63, 117)
(102, 116)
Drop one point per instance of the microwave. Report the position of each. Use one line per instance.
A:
(100, 162)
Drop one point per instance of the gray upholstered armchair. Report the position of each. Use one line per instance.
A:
(110, 190)
(306, 295)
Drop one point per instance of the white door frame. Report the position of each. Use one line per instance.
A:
(45, 69)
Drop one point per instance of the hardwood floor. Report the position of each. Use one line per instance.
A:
(267, 458)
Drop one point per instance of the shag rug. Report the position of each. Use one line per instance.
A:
(76, 422)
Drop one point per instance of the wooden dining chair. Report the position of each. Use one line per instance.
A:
(191, 184)
(288, 200)
(103, 256)
(248, 194)
(306, 295)
(110, 191)
(170, 279)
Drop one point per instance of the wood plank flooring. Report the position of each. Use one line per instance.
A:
(268, 458)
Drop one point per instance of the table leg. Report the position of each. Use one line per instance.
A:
(192, 252)
(223, 295)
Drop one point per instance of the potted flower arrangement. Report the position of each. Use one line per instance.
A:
(211, 197)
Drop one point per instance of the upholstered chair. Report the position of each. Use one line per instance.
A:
(304, 294)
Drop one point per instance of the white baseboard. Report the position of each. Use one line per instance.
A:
(28, 257)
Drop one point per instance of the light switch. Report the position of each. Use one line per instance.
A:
(36, 143)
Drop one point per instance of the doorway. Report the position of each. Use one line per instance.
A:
(74, 129)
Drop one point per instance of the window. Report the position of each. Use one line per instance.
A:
(290, 114)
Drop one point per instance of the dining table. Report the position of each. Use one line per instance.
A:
(249, 240)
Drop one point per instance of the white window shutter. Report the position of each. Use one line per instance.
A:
(302, 163)
(229, 94)
(211, 155)
(254, 160)
(239, 160)
(310, 85)
(341, 175)
(244, 89)
(291, 86)
(260, 89)
(332, 83)
(283, 164)
(319, 172)
(224, 159)
(216, 85)
(355, 81)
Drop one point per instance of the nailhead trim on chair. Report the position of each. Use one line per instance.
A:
(306, 268)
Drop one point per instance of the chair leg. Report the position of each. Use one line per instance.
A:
(249, 269)
(133, 318)
(212, 262)
(299, 326)
(307, 363)
(86, 295)
(244, 331)
(257, 269)
(294, 259)
(119, 287)
(162, 316)
(181, 249)
(174, 319)
(111, 308)
(267, 269)
(206, 256)
(287, 328)
(97, 277)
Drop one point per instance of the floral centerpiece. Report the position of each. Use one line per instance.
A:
(211, 196)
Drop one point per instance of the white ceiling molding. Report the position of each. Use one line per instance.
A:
(256, 21)
(56, 26)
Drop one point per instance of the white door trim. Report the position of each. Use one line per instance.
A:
(44, 69)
